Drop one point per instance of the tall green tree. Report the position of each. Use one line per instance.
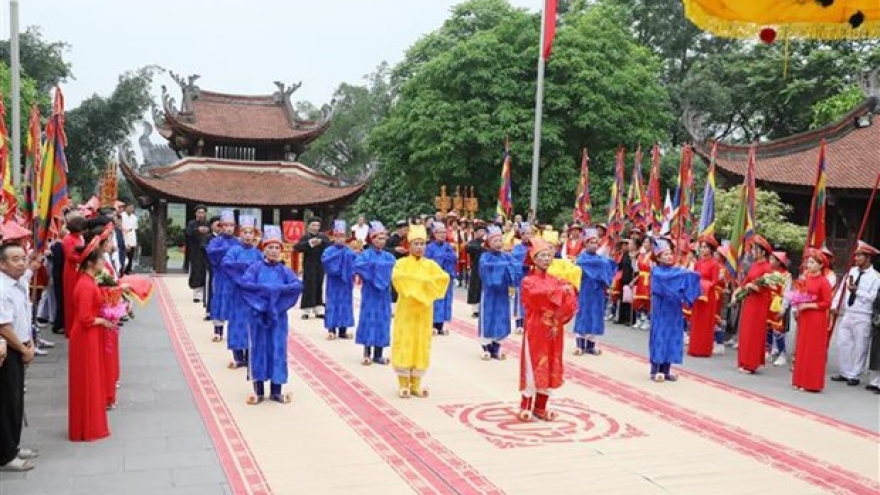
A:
(771, 217)
(42, 61)
(466, 87)
(342, 151)
(99, 124)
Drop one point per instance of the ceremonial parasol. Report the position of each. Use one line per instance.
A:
(812, 19)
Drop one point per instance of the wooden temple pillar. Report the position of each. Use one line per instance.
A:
(268, 216)
(159, 217)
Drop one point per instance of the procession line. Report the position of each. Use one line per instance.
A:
(799, 464)
(741, 392)
(242, 471)
(423, 462)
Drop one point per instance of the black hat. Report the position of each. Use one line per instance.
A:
(215, 218)
(201, 207)
(314, 219)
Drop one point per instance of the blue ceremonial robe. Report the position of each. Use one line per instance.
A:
(221, 284)
(444, 255)
(597, 271)
(671, 287)
(374, 266)
(520, 253)
(499, 272)
(269, 290)
(338, 262)
(235, 263)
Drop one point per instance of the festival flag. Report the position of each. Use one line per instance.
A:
(653, 200)
(52, 181)
(32, 167)
(635, 201)
(8, 201)
(504, 207)
(743, 220)
(666, 224)
(816, 228)
(681, 201)
(549, 27)
(616, 211)
(707, 214)
(583, 205)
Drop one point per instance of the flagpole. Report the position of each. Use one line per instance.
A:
(15, 159)
(539, 111)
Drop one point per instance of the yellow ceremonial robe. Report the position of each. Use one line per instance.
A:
(418, 282)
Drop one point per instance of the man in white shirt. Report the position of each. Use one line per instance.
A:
(129, 230)
(360, 230)
(15, 330)
(854, 331)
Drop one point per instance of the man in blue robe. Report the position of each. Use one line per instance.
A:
(442, 253)
(597, 272)
(671, 286)
(338, 263)
(374, 266)
(499, 273)
(520, 253)
(236, 261)
(270, 289)
(221, 284)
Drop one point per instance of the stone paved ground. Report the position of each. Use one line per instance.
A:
(159, 442)
(342, 434)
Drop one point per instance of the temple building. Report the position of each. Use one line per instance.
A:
(235, 151)
(788, 167)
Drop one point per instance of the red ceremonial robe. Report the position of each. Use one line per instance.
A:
(550, 303)
(705, 308)
(72, 259)
(88, 398)
(753, 319)
(811, 349)
(642, 292)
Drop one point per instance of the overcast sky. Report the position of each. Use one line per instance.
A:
(237, 46)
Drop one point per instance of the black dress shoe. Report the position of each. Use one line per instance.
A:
(853, 382)
(839, 378)
(872, 388)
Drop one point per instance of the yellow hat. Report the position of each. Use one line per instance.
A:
(417, 232)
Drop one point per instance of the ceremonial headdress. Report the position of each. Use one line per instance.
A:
(763, 244)
(591, 234)
(339, 227)
(12, 231)
(417, 232)
(247, 221)
(782, 257)
(271, 235)
(377, 228)
(538, 246)
(492, 232)
(602, 226)
(576, 226)
(479, 224)
(866, 249)
(401, 223)
(97, 240)
(813, 253)
(709, 240)
(227, 216)
(438, 226)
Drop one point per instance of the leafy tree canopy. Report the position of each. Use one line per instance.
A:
(771, 219)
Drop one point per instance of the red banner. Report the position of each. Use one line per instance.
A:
(293, 230)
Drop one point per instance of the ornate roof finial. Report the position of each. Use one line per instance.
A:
(694, 122)
(870, 83)
(189, 90)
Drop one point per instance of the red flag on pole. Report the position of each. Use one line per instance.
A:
(549, 26)
(816, 227)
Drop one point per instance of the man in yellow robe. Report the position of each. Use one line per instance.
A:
(418, 281)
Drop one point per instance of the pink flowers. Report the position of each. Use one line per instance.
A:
(797, 297)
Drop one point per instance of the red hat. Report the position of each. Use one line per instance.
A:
(866, 249)
(539, 245)
(817, 255)
(99, 239)
(710, 240)
(781, 257)
(12, 231)
(763, 244)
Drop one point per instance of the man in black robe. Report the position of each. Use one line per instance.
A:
(398, 245)
(475, 248)
(312, 246)
(197, 234)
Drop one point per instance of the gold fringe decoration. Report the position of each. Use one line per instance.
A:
(694, 11)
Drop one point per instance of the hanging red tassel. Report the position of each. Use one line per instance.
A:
(768, 35)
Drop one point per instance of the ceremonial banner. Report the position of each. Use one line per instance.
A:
(707, 214)
(52, 181)
(816, 230)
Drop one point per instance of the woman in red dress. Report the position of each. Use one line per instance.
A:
(72, 258)
(642, 286)
(754, 309)
(705, 309)
(811, 349)
(87, 389)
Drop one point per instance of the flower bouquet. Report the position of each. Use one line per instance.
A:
(114, 307)
(799, 296)
(774, 280)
